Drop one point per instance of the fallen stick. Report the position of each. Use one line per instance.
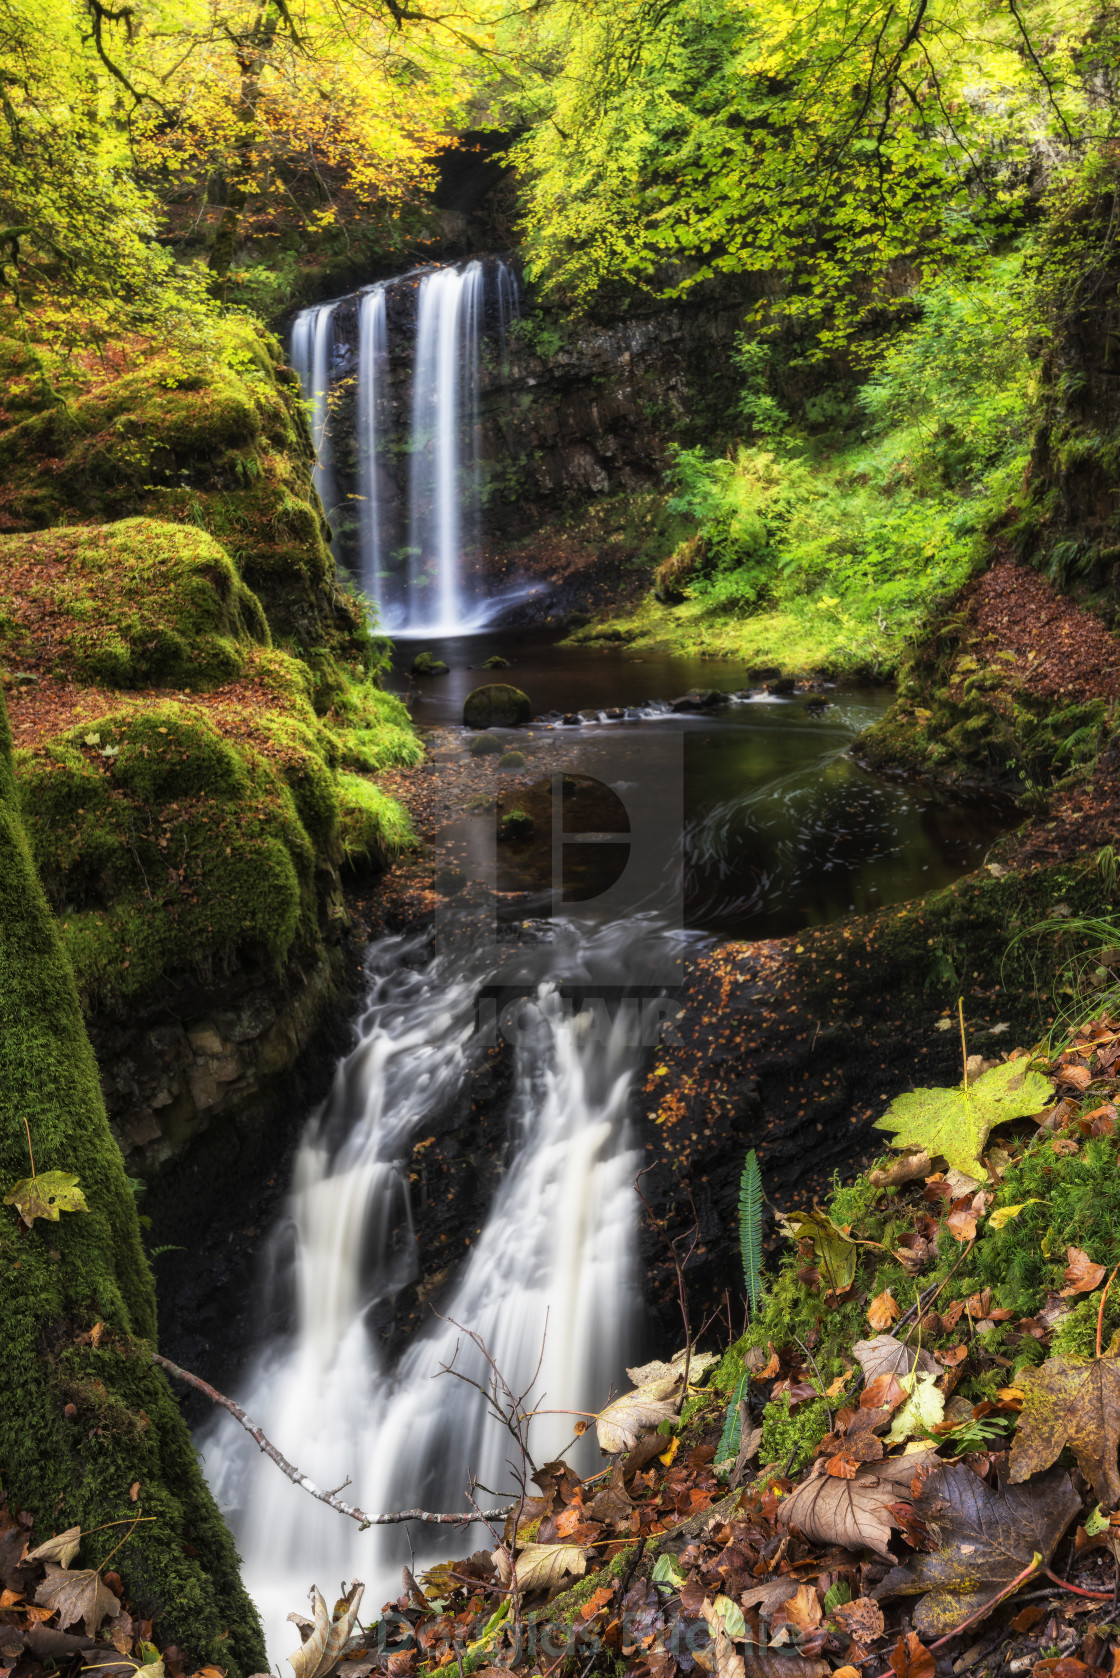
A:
(330, 1498)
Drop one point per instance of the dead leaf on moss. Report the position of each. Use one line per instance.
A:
(852, 1513)
(541, 1566)
(79, 1595)
(906, 1169)
(62, 1548)
(887, 1356)
(1082, 1275)
(883, 1310)
(985, 1539)
(1075, 1402)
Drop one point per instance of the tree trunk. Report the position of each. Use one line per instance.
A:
(84, 1419)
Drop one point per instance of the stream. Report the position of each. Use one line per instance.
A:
(777, 828)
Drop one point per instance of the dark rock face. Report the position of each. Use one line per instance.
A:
(497, 705)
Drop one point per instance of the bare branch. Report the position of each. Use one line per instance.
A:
(299, 1479)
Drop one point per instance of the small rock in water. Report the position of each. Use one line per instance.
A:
(426, 664)
(699, 699)
(571, 719)
(518, 824)
(512, 760)
(484, 745)
(495, 662)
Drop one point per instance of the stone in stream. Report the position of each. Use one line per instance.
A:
(484, 745)
(426, 664)
(699, 699)
(498, 705)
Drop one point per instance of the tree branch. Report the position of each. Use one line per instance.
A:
(299, 1479)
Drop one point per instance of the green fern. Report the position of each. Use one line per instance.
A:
(750, 1229)
(732, 1436)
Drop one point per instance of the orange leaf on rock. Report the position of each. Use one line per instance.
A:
(598, 1600)
(883, 1311)
(1082, 1275)
(911, 1659)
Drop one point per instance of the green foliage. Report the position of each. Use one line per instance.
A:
(373, 828)
(731, 1436)
(792, 1436)
(956, 1122)
(750, 1228)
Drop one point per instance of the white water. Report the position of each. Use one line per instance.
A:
(555, 1246)
(312, 342)
(443, 483)
(373, 430)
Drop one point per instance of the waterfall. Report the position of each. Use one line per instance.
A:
(373, 430)
(556, 1246)
(443, 484)
(425, 589)
(312, 343)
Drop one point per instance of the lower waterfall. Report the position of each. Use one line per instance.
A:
(556, 1246)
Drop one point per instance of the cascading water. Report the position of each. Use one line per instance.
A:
(443, 486)
(312, 342)
(411, 538)
(373, 430)
(557, 1247)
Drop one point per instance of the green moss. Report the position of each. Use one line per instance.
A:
(59, 1279)
(373, 827)
(178, 853)
(485, 745)
(129, 605)
(213, 439)
(792, 1436)
(512, 760)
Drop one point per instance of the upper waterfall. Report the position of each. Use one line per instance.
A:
(392, 375)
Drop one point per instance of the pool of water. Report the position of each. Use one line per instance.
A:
(780, 827)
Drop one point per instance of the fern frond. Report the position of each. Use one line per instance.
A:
(750, 1228)
(731, 1437)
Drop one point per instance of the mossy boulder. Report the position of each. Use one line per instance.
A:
(512, 760)
(133, 604)
(495, 662)
(497, 705)
(373, 828)
(485, 745)
(214, 438)
(427, 664)
(82, 1422)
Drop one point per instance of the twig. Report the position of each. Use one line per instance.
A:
(299, 1479)
(985, 1609)
(1078, 1590)
(1100, 1313)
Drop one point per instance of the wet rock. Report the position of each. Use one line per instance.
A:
(764, 672)
(782, 684)
(495, 662)
(484, 745)
(700, 699)
(512, 760)
(572, 719)
(498, 705)
(614, 713)
(518, 824)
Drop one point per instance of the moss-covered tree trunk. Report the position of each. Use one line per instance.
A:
(85, 1416)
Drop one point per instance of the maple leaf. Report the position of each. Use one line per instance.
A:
(884, 1355)
(1075, 1402)
(78, 1595)
(924, 1407)
(46, 1196)
(1082, 1274)
(986, 1539)
(62, 1548)
(852, 1513)
(956, 1122)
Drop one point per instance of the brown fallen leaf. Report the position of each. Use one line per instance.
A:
(79, 1595)
(802, 1610)
(62, 1548)
(619, 1426)
(853, 1513)
(887, 1356)
(883, 1393)
(862, 1619)
(961, 1224)
(883, 1310)
(1082, 1275)
(596, 1601)
(911, 1659)
(985, 1539)
(329, 1634)
(540, 1566)
(906, 1169)
(1075, 1402)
